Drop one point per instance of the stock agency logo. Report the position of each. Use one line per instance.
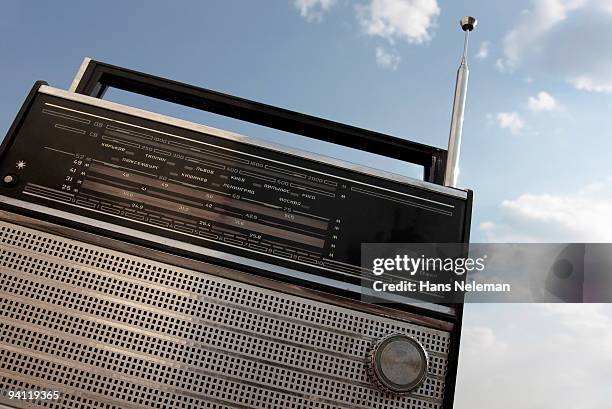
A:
(486, 272)
(413, 265)
(403, 273)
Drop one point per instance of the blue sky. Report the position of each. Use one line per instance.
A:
(537, 128)
(320, 57)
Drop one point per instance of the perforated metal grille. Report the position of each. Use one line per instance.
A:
(113, 330)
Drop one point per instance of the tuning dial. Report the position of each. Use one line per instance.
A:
(398, 363)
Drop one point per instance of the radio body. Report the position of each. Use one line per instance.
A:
(148, 261)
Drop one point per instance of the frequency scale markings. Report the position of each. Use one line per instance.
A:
(200, 213)
(192, 192)
(223, 192)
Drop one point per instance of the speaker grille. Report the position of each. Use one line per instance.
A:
(111, 330)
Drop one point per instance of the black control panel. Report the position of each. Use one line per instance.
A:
(210, 190)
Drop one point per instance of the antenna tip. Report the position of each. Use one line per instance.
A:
(468, 23)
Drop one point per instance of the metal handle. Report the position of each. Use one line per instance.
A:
(94, 78)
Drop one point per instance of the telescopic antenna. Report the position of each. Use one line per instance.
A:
(468, 24)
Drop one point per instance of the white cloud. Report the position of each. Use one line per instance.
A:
(387, 59)
(534, 23)
(409, 20)
(486, 226)
(483, 51)
(539, 349)
(587, 317)
(505, 233)
(583, 216)
(586, 83)
(313, 10)
(568, 39)
(393, 20)
(500, 65)
(542, 102)
(511, 121)
(481, 339)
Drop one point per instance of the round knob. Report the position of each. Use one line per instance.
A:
(10, 179)
(398, 363)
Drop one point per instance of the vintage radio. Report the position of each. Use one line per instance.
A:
(151, 262)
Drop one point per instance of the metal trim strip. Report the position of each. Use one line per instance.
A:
(79, 74)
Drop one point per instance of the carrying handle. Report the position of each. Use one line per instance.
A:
(94, 78)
